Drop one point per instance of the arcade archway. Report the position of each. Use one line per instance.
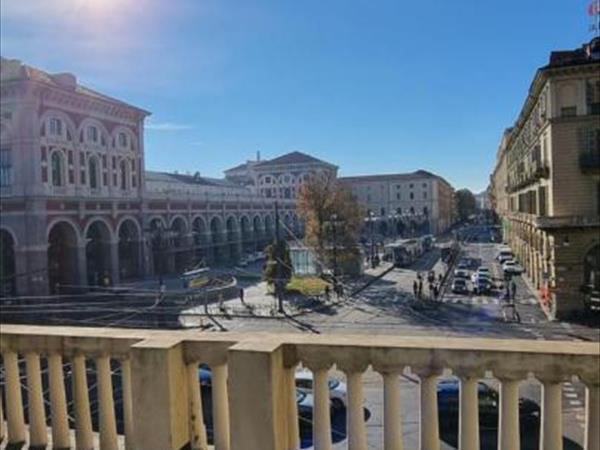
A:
(129, 250)
(63, 270)
(97, 254)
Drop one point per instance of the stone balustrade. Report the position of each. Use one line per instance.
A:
(253, 387)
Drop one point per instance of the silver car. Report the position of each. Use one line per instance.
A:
(337, 389)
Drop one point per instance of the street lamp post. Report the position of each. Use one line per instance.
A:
(371, 220)
(334, 221)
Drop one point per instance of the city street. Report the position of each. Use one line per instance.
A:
(388, 307)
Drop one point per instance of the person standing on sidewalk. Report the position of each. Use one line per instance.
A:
(420, 289)
(513, 290)
(415, 288)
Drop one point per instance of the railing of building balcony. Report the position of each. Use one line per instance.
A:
(253, 386)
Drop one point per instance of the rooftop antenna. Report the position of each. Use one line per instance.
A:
(594, 14)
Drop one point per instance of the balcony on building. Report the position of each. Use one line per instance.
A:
(155, 402)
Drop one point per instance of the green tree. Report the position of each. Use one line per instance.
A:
(466, 204)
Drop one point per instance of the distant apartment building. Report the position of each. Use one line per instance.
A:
(405, 203)
(546, 183)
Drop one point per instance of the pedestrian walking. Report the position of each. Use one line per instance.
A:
(436, 292)
(327, 293)
(415, 288)
(513, 290)
(420, 289)
(242, 295)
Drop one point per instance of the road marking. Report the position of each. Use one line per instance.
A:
(570, 395)
(575, 403)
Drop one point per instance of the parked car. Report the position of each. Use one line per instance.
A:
(337, 389)
(461, 273)
(482, 284)
(462, 265)
(448, 405)
(512, 267)
(459, 286)
(504, 255)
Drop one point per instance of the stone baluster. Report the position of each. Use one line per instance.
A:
(509, 437)
(127, 404)
(14, 402)
(197, 429)
(58, 403)
(321, 413)
(357, 433)
(468, 429)
(38, 437)
(551, 431)
(429, 421)
(220, 406)
(592, 404)
(108, 425)
(83, 421)
(292, 409)
(392, 420)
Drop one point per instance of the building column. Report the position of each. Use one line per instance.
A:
(82, 278)
(114, 262)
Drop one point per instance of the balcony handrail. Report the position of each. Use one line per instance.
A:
(253, 391)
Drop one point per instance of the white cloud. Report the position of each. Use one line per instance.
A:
(168, 126)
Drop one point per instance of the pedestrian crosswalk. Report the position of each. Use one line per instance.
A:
(486, 301)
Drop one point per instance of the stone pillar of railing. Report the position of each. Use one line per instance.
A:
(429, 420)
(592, 404)
(357, 432)
(58, 403)
(38, 436)
(392, 420)
(468, 429)
(291, 407)
(107, 422)
(197, 428)
(321, 411)
(257, 396)
(159, 395)
(509, 435)
(551, 431)
(127, 404)
(84, 438)
(15, 421)
(1, 418)
(220, 406)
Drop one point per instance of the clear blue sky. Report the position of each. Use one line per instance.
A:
(372, 86)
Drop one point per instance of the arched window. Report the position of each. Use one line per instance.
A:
(57, 169)
(93, 172)
(92, 134)
(123, 170)
(55, 126)
(122, 140)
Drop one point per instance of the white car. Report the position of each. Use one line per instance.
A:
(513, 267)
(504, 255)
(338, 392)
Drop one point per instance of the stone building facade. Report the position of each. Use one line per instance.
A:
(546, 183)
(404, 204)
(280, 177)
(77, 203)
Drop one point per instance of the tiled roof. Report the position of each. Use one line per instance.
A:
(291, 158)
(393, 177)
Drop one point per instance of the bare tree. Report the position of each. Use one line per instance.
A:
(332, 216)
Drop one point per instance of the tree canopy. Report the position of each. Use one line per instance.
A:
(466, 204)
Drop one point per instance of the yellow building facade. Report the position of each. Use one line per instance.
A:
(546, 183)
